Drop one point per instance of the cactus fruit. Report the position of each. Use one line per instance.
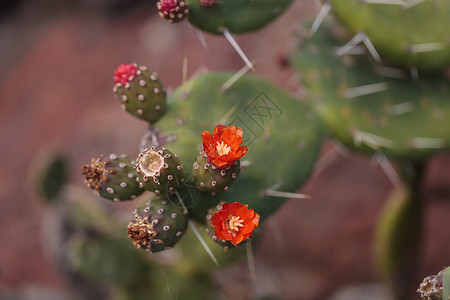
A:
(231, 224)
(140, 92)
(157, 225)
(173, 10)
(368, 110)
(208, 178)
(405, 34)
(283, 136)
(159, 170)
(114, 177)
(236, 15)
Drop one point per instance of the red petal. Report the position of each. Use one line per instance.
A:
(237, 239)
(218, 130)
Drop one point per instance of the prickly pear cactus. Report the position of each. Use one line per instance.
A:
(409, 33)
(235, 15)
(112, 177)
(369, 110)
(283, 136)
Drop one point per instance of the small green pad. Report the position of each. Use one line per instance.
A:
(369, 111)
(238, 16)
(416, 35)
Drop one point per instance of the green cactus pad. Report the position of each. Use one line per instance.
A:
(369, 111)
(142, 96)
(113, 177)
(159, 170)
(158, 225)
(208, 178)
(409, 36)
(283, 136)
(238, 16)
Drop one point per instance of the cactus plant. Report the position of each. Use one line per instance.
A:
(370, 112)
(406, 33)
(380, 109)
(262, 109)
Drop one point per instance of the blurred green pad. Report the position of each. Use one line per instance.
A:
(52, 176)
(238, 16)
(366, 107)
(415, 35)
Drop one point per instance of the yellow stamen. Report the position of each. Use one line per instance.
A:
(222, 148)
(234, 223)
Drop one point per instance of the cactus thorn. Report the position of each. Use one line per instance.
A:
(236, 47)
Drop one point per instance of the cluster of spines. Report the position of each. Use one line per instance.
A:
(113, 178)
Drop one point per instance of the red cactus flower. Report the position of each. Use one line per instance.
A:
(123, 73)
(234, 222)
(223, 147)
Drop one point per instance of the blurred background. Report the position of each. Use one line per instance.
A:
(57, 60)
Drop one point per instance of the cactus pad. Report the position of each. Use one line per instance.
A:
(237, 16)
(369, 110)
(408, 34)
(113, 177)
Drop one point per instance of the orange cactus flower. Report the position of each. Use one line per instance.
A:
(223, 147)
(234, 222)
